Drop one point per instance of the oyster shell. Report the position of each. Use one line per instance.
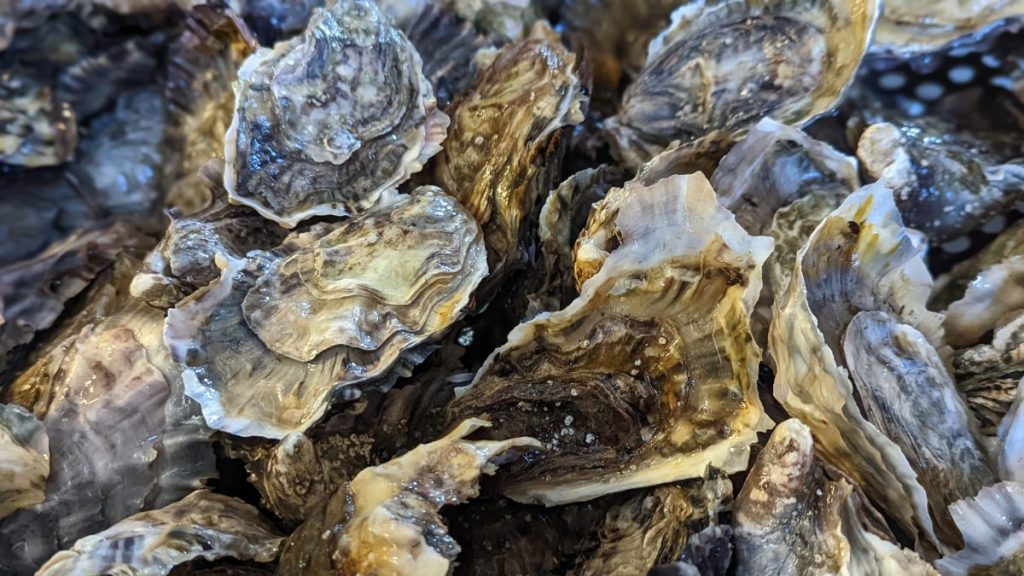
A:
(946, 181)
(123, 437)
(991, 525)
(652, 527)
(36, 129)
(780, 182)
(795, 516)
(857, 358)
(995, 295)
(33, 291)
(725, 64)
(254, 354)
(288, 153)
(952, 286)
(911, 28)
(24, 459)
(658, 341)
(448, 45)
(707, 553)
(988, 374)
(201, 525)
(501, 149)
(205, 60)
(183, 261)
(386, 280)
(561, 219)
(386, 521)
(1011, 440)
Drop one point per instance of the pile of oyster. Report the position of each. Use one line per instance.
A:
(511, 287)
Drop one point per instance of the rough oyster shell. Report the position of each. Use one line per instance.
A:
(561, 219)
(386, 521)
(201, 525)
(793, 516)
(988, 374)
(238, 337)
(183, 261)
(991, 524)
(910, 28)
(386, 280)
(780, 182)
(33, 291)
(123, 436)
(725, 64)
(946, 181)
(313, 133)
(204, 64)
(498, 155)
(856, 303)
(658, 341)
(24, 459)
(652, 527)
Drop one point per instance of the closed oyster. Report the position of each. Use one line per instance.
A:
(911, 28)
(386, 280)
(24, 459)
(1011, 440)
(330, 122)
(183, 261)
(946, 181)
(35, 128)
(995, 295)
(991, 524)
(205, 60)
(266, 344)
(33, 291)
(952, 285)
(988, 374)
(652, 527)
(795, 516)
(857, 360)
(386, 521)
(725, 64)
(123, 436)
(659, 342)
(501, 152)
(201, 525)
(780, 182)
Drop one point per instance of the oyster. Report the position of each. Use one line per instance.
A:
(658, 341)
(386, 521)
(123, 437)
(991, 524)
(988, 374)
(652, 527)
(205, 60)
(202, 525)
(946, 181)
(795, 516)
(911, 28)
(561, 219)
(24, 459)
(183, 261)
(857, 356)
(725, 64)
(255, 354)
(952, 286)
(995, 295)
(501, 151)
(330, 122)
(780, 182)
(36, 129)
(33, 291)
(448, 45)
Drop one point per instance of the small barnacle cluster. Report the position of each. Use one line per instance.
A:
(511, 287)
